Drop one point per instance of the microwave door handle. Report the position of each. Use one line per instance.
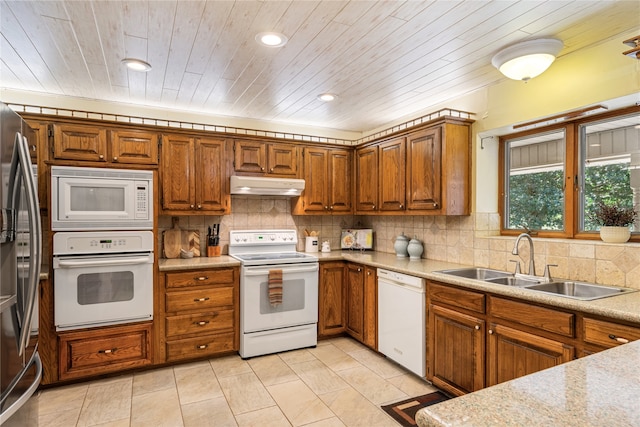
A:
(285, 270)
(70, 263)
(35, 239)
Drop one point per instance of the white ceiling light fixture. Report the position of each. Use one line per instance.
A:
(136, 64)
(271, 39)
(528, 59)
(326, 97)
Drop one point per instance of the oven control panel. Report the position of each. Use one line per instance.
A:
(268, 237)
(66, 243)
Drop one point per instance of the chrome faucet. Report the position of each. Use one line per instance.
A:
(532, 265)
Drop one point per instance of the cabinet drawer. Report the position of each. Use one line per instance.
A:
(201, 278)
(469, 300)
(97, 352)
(199, 323)
(608, 334)
(208, 345)
(546, 319)
(199, 299)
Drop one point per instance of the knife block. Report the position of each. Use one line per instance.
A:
(213, 251)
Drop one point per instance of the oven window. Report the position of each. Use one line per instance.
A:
(100, 288)
(292, 297)
(97, 199)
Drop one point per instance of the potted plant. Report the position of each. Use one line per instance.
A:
(614, 222)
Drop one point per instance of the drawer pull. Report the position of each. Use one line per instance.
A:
(201, 323)
(201, 299)
(477, 327)
(619, 339)
(107, 351)
(201, 278)
(202, 346)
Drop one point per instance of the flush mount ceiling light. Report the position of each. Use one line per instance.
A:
(136, 64)
(528, 59)
(326, 97)
(272, 39)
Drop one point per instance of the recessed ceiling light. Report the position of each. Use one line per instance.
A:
(272, 39)
(136, 64)
(326, 97)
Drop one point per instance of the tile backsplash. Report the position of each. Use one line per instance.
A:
(470, 240)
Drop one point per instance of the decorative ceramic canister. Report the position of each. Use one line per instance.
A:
(400, 245)
(415, 248)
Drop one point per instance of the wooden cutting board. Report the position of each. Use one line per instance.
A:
(172, 240)
(190, 241)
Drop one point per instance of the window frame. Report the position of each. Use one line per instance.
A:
(571, 189)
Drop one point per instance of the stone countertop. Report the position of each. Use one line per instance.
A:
(602, 389)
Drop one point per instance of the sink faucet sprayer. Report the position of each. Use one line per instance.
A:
(532, 266)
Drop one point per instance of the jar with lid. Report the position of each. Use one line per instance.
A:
(415, 248)
(400, 245)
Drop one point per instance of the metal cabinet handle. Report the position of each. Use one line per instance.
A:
(115, 159)
(201, 278)
(368, 273)
(201, 323)
(261, 169)
(490, 332)
(331, 207)
(326, 208)
(401, 206)
(477, 327)
(271, 170)
(191, 206)
(101, 157)
(202, 346)
(201, 299)
(107, 351)
(359, 269)
(199, 206)
(435, 205)
(618, 339)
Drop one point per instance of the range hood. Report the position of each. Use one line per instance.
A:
(261, 186)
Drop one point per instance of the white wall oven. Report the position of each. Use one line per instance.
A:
(102, 278)
(278, 292)
(101, 199)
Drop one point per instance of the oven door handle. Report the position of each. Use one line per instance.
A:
(249, 271)
(69, 263)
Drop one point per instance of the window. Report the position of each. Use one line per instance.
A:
(552, 178)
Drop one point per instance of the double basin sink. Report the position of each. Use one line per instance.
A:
(570, 289)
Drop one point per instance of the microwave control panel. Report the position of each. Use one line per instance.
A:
(142, 200)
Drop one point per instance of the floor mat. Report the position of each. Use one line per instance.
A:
(404, 411)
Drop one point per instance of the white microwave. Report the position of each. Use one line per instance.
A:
(101, 199)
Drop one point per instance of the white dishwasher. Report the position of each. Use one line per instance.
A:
(401, 319)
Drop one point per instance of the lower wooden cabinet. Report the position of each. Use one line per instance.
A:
(355, 301)
(92, 352)
(331, 299)
(370, 334)
(599, 335)
(200, 316)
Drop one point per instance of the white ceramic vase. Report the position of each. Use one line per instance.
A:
(612, 234)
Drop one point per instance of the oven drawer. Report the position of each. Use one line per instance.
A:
(200, 278)
(208, 345)
(199, 299)
(93, 352)
(200, 323)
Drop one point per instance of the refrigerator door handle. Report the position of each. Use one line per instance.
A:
(8, 412)
(35, 239)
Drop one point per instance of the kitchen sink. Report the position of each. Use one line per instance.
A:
(579, 290)
(514, 281)
(477, 273)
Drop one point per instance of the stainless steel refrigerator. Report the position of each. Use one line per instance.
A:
(20, 257)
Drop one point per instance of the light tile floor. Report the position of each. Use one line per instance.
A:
(338, 383)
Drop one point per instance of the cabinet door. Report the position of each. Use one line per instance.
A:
(424, 169)
(316, 176)
(178, 182)
(331, 304)
(339, 181)
(367, 179)
(456, 350)
(282, 160)
(514, 353)
(355, 301)
(134, 146)
(249, 156)
(79, 142)
(392, 175)
(370, 308)
(211, 175)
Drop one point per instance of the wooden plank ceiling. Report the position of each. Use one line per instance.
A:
(384, 59)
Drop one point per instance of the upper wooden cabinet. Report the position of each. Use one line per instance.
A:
(264, 158)
(327, 175)
(96, 143)
(194, 175)
(425, 171)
